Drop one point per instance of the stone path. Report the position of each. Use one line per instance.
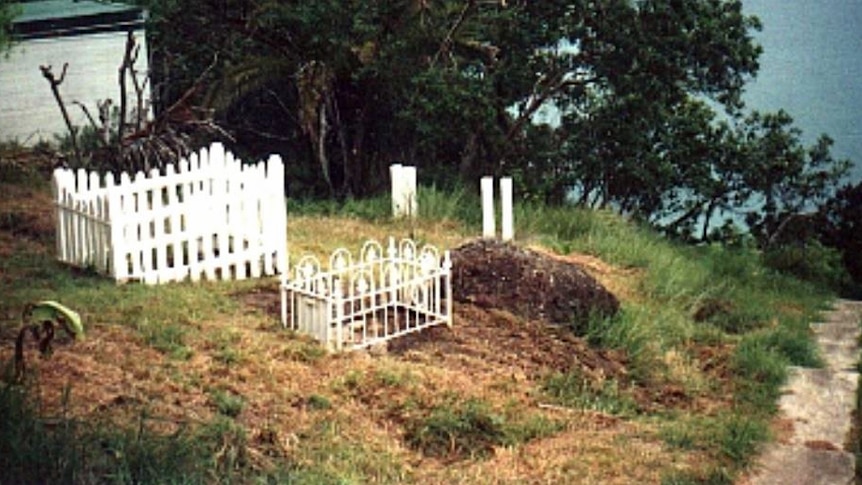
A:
(820, 404)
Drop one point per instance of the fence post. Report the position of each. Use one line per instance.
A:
(172, 229)
(57, 189)
(488, 224)
(508, 220)
(275, 174)
(447, 272)
(336, 301)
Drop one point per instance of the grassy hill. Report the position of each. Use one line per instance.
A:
(199, 383)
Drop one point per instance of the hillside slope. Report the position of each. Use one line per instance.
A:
(201, 381)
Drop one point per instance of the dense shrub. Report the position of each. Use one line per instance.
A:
(809, 261)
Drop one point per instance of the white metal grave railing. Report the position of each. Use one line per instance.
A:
(380, 296)
(212, 217)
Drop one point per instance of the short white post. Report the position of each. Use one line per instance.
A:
(508, 219)
(488, 224)
(403, 190)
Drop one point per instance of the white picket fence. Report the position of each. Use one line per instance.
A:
(357, 303)
(211, 217)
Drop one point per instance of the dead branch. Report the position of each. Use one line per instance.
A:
(128, 59)
(55, 85)
(87, 114)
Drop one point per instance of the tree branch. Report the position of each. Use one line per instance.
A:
(447, 41)
(55, 84)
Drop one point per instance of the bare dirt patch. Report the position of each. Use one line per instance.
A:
(495, 342)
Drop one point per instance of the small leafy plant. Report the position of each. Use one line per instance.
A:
(39, 320)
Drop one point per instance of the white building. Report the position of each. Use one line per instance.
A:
(88, 35)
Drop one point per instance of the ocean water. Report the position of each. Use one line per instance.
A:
(811, 67)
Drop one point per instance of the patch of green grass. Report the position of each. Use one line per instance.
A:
(733, 436)
(457, 430)
(387, 376)
(712, 476)
(318, 402)
(394, 376)
(574, 390)
(60, 449)
(303, 349)
(332, 453)
(520, 428)
(632, 331)
(227, 403)
(684, 434)
(760, 372)
(165, 337)
(740, 437)
(791, 340)
(455, 205)
(226, 351)
(560, 224)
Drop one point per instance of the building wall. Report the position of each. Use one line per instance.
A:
(28, 111)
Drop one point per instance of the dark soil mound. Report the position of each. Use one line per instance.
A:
(529, 284)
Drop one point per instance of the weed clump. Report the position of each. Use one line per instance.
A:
(457, 431)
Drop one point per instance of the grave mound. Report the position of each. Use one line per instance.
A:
(529, 284)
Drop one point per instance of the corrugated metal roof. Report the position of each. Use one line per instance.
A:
(62, 9)
(63, 18)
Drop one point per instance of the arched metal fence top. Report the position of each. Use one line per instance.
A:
(372, 296)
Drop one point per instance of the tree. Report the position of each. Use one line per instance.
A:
(788, 178)
(453, 85)
(840, 227)
(8, 12)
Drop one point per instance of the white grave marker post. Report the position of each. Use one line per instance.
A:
(488, 223)
(508, 219)
(403, 190)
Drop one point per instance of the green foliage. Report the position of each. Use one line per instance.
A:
(167, 337)
(336, 455)
(227, 403)
(456, 204)
(791, 341)
(318, 402)
(718, 476)
(734, 436)
(453, 87)
(39, 449)
(761, 372)
(53, 311)
(741, 436)
(226, 350)
(8, 11)
(458, 430)
(809, 261)
(630, 331)
(839, 226)
(574, 390)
